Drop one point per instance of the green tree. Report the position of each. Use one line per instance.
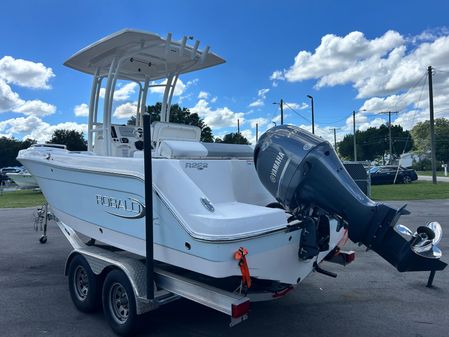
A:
(73, 139)
(375, 142)
(182, 116)
(9, 149)
(421, 137)
(233, 138)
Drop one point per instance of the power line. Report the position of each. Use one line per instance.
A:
(339, 120)
(414, 115)
(423, 77)
(288, 106)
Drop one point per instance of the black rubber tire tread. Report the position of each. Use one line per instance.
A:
(92, 301)
(130, 325)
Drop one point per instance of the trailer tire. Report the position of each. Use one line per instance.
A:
(83, 285)
(119, 303)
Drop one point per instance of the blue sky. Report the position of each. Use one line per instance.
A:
(349, 55)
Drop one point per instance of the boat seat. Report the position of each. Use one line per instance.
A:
(191, 149)
(222, 150)
(161, 131)
(181, 149)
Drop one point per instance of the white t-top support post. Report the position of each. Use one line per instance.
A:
(107, 109)
(170, 96)
(92, 104)
(165, 113)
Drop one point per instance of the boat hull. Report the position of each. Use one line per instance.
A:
(108, 206)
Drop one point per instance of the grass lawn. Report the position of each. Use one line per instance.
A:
(418, 190)
(17, 199)
(429, 173)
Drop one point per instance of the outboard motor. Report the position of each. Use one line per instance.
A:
(302, 171)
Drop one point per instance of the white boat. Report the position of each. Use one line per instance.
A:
(208, 198)
(23, 179)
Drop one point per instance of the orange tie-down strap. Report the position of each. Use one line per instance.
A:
(240, 255)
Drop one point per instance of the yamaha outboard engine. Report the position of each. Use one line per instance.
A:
(302, 171)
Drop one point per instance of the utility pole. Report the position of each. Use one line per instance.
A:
(335, 139)
(257, 132)
(282, 111)
(432, 127)
(313, 114)
(238, 126)
(281, 105)
(389, 132)
(355, 142)
(389, 136)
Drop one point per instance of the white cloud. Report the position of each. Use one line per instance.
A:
(388, 71)
(262, 92)
(44, 131)
(429, 35)
(203, 95)
(179, 89)
(192, 82)
(8, 99)
(338, 55)
(35, 108)
(217, 118)
(380, 66)
(123, 93)
(81, 110)
(248, 134)
(11, 101)
(277, 75)
(125, 110)
(378, 104)
(260, 101)
(296, 106)
(277, 119)
(257, 103)
(25, 73)
(33, 127)
(261, 121)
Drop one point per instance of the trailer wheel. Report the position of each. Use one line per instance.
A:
(83, 285)
(119, 304)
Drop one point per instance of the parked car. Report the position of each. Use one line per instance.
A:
(386, 174)
(3, 177)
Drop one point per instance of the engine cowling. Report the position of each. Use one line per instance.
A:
(300, 170)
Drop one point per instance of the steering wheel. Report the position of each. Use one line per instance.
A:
(138, 133)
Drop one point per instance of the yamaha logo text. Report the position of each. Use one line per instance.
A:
(277, 163)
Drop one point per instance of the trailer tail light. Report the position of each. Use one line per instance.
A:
(349, 256)
(241, 309)
(340, 256)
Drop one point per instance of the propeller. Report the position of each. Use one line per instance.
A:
(424, 241)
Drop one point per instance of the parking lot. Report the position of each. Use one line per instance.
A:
(368, 298)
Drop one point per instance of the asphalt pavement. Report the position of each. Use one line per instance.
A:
(429, 178)
(368, 298)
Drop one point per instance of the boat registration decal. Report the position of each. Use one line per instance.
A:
(132, 206)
